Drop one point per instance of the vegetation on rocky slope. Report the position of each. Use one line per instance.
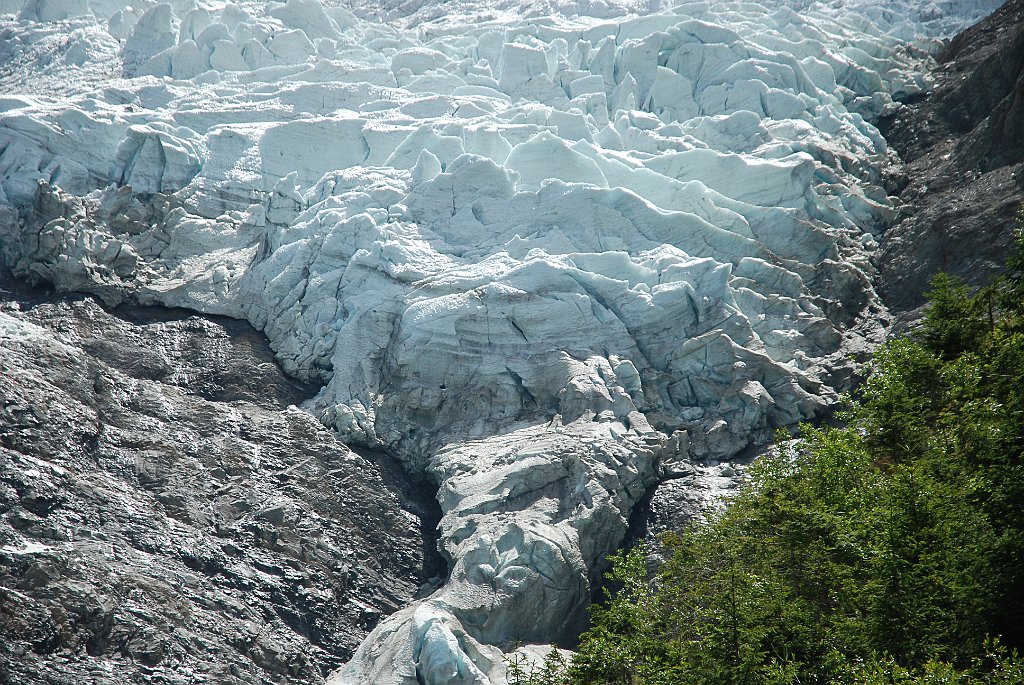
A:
(889, 551)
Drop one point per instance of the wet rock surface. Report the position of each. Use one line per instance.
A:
(683, 499)
(963, 148)
(168, 515)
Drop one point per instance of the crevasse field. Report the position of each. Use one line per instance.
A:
(545, 252)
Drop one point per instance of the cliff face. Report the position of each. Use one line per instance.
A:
(166, 515)
(963, 149)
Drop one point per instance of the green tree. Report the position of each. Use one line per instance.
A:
(955, 321)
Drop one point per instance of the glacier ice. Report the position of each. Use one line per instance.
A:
(544, 251)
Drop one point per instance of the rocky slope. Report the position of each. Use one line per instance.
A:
(963, 150)
(169, 515)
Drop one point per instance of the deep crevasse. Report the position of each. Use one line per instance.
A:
(541, 251)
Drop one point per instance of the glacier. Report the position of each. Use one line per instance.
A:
(545, 252)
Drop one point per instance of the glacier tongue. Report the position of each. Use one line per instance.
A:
(526, 513)
(541, 251)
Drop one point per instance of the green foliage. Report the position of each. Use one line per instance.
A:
(899, 400)
(881, 553)
(553, 670)
(955, 320)
(625, 642)
(996, 666)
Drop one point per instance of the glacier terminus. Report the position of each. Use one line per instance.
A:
(547, 253)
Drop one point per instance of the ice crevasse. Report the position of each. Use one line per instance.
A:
(543, 252)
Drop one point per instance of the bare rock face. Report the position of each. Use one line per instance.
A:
(963, 147)
(166, 514)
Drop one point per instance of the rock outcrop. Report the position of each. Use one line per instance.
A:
(167, 514)
(963, 150)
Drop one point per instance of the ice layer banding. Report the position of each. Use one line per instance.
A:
(542, 252)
